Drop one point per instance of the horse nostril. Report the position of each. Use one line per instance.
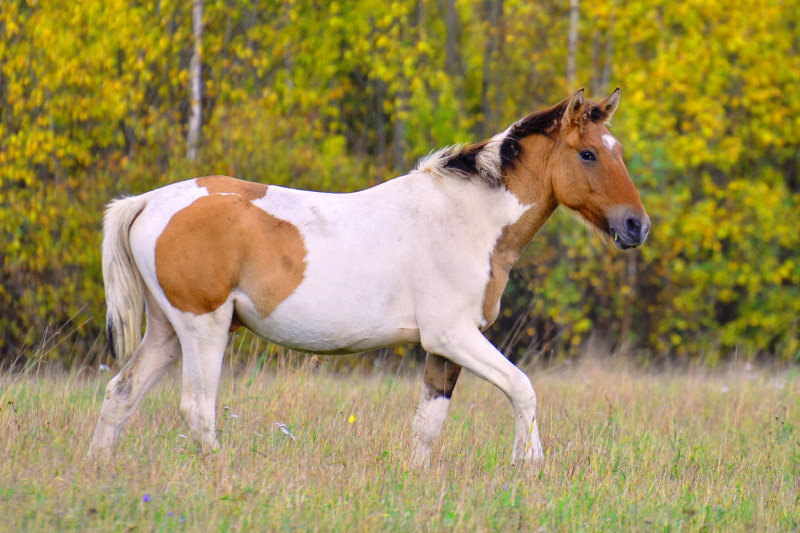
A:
(633, 226)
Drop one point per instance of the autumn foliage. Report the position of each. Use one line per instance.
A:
(337, 96)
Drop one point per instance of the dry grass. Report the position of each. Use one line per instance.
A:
(627, 450)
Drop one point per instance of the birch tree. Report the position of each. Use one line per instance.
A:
(572, 42)
(196, 107)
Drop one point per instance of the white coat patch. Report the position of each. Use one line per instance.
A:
(610, 141)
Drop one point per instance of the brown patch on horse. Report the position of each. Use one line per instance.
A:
(509, 246)
(516, 236)
(228, 185)
(221, 242)
(500, 265)
(440, 375)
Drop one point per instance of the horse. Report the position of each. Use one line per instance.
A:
(421, 258)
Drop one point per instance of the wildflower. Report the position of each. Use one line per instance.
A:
(285, 429)
(352, 418)
(146, 498)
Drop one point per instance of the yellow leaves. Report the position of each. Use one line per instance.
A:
(708, 118)
(735, 262)
(676, 340)
(386, 21)
(334, 146)
(11, 27)
(583, 326)
(784, 272)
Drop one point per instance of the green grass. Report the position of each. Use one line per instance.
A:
(626, 450)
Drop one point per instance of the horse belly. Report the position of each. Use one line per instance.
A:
(330, 322)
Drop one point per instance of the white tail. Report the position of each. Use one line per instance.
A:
(123, 281)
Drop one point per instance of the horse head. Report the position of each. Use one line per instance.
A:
(588, 173)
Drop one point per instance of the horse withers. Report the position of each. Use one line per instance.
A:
(420, 258)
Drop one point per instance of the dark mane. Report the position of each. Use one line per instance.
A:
(545, 122)
(465, 161)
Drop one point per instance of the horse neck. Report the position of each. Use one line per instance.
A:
(529, 180)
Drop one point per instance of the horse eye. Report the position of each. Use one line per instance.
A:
(587, 155)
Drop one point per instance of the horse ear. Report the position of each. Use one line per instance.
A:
(610, 104)
(573, 109)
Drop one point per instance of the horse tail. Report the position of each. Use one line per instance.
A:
(124, 285)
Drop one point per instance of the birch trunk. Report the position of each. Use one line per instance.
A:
(195, 69)
(572, 44)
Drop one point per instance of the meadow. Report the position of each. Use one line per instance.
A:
(310, 448)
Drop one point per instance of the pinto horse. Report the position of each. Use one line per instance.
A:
(420, 258)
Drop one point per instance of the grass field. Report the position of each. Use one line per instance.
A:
(627, 450)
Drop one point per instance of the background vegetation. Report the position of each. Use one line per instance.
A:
(95, 102)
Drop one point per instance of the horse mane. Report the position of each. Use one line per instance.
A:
(490, 158)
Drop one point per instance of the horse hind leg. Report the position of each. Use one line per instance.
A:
(439, 380)
(159, 348)
(203, 339)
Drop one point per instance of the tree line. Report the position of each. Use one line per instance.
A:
(99, 99)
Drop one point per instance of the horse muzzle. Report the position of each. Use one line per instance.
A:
(629, 230)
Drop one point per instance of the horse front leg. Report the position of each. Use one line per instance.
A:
(466, 346)
(438, 383)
